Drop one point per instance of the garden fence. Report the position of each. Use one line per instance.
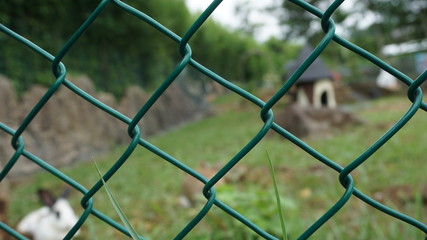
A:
(414, 94)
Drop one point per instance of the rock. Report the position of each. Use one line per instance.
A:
(4, 204)
(7, 95)
(310, 121)
(132, 101)
(68, 128)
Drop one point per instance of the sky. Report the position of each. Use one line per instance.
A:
(225, 14)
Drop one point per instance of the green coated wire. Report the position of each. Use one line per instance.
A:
(59, 71)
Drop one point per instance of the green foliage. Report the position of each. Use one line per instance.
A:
(385, 22)
(256, 203)
(280, 53)
(119, 50)
(397, 21)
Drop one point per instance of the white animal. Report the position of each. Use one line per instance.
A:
(51, 222)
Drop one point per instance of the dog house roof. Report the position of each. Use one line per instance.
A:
(316, 71)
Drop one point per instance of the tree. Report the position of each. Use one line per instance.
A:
(118, 49)
(384, 21)
(298, 23)
(394, 22)
(400, 20)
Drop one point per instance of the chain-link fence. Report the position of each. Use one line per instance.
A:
(266, 114)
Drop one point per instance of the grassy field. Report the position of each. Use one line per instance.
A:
(148, 188)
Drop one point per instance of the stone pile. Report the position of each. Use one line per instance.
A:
(70, 129)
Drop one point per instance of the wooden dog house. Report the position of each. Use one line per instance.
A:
(315, 86)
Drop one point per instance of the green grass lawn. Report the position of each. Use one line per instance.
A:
(148, 188)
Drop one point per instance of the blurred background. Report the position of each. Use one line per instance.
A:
(256, 45)
(248, 41)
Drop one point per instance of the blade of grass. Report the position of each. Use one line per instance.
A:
(276, 191)
(116, 206)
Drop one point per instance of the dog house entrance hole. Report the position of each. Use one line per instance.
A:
(324, 99)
